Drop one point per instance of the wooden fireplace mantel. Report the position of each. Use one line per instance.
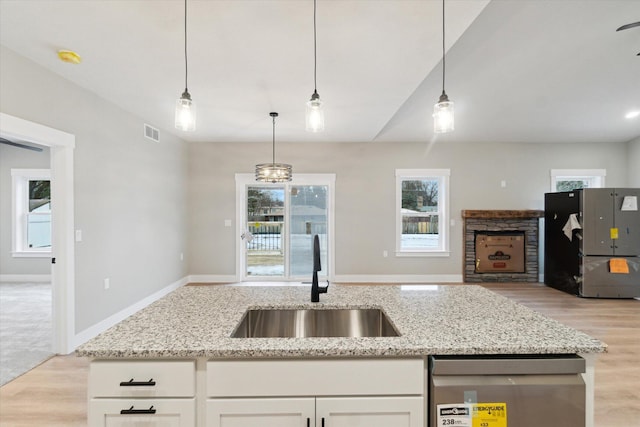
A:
(502, 214)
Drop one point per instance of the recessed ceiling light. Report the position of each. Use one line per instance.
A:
(632, 114)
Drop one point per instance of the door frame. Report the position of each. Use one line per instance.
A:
(245, 179)
(61, 145)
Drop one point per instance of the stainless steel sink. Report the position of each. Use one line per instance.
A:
(285, 323)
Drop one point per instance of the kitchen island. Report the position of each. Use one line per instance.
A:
(190, 330)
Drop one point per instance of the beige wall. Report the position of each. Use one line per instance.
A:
(365, 192)
(12, 158)
(129, 191)
(633, 163)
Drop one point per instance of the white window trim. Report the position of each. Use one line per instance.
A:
(443, 211)
(596, 176)
(19, 191)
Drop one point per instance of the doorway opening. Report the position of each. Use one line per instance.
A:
(277, 223)
(61, 145)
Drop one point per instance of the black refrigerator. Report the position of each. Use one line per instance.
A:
(592, 242)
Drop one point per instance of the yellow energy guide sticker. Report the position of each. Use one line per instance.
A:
(489, 415)
(614, 233)
(472, 414)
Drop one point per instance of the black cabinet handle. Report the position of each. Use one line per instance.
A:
(308, 422)
(132, 383)
(322, 422)
(138, 411)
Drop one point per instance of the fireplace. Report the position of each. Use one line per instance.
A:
(501, 245)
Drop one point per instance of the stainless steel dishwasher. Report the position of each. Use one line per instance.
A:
(536, 390)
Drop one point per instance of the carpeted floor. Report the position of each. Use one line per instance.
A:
(25, 328)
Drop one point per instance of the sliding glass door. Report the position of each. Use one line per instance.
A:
(265, 228)
(278, 223)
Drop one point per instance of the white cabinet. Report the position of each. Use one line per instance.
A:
(316, 393)
(264, 412)
(327, 392)
(370, 412)
(142, 412)
(318, 412)
(142, 393)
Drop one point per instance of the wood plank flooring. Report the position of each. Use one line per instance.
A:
(54, 393)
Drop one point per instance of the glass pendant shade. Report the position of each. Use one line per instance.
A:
(273, 172)
(315, 114)
(185, 113)
(443, 115)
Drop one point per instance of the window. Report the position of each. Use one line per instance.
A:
(422, 212)
(31, 212)
(574, 179)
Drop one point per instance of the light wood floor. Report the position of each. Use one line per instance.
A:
(54, 394)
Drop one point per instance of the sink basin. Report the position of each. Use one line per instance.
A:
(286, 323)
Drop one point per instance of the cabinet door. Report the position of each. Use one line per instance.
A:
(142, 412)
(260, 412)
(370, 412)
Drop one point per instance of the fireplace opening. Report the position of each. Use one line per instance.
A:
(500, 251)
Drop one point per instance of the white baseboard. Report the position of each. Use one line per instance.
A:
(398, 278)
(102, 326)
(212, 278)
(22, 278)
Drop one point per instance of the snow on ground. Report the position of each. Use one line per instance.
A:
(301, 262)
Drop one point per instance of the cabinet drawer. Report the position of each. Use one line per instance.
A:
(322, 377)
(109, 378)
(142, 412)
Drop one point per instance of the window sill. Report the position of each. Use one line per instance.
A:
(423, 254)
(31, 254)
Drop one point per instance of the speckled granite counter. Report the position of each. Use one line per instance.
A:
(197, 321)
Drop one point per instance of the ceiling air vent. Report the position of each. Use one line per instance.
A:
(151, 133)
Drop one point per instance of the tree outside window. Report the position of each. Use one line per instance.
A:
(31, 212)
(422, 211)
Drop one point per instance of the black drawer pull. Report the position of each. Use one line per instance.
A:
(132, 383)
(138, 411)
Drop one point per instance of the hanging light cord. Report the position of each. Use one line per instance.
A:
(273, 161)
(186, 67)
(443, 56)
(315, 55)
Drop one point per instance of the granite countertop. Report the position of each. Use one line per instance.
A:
(197, 321)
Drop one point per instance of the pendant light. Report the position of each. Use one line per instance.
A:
(314, 119)
(185, 107)
(273, 172)
(443, 110)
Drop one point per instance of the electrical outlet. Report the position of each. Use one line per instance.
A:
(385, 254)
(107, 283)
(78, 235)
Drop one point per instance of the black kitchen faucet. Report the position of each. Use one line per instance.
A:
(315, 289)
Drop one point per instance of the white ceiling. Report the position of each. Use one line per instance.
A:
(517, 70)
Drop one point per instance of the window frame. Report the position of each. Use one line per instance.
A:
(443, 212)
(20, 179)
(596, 177)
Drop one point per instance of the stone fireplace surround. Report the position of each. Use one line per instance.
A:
(501, 220)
